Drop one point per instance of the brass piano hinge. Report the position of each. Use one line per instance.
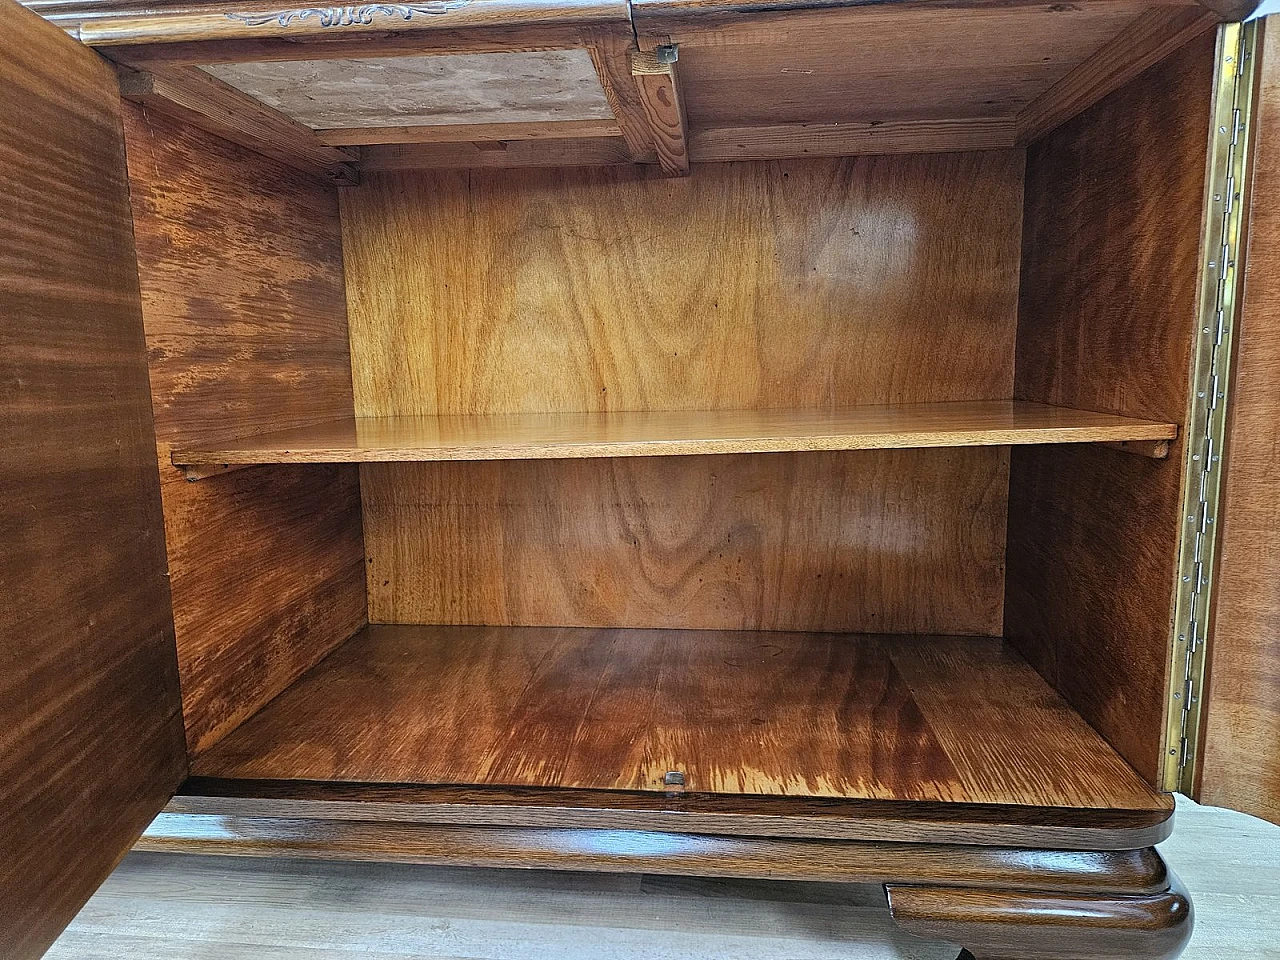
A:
(1221, 277)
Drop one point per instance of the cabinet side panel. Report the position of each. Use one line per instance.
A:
(800, 284)
(90, 718)
(242, 292)
(1241, 738)
(1107, 315)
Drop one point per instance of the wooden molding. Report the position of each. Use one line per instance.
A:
(265, 21)
(1117, 873)
(1149, 39)
(656, 78)
(191, 95)
(471, 132)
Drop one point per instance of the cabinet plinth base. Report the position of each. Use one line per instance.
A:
(1040, 925)
(999, 902)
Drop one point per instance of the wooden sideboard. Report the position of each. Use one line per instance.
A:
(811, 440)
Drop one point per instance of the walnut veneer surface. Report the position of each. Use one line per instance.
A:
(875, 717)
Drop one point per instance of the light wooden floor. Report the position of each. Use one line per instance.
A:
(162, 907)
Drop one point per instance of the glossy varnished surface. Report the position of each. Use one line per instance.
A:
(1241, 745)
(870, 717)
(796, 541)
(750, 287)
(1056, 828)
(627, 434)
(240, 263)
(90, 724)
(1111, 248)
(614, 851)
(1013, 925)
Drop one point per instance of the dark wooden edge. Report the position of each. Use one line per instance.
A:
(660, 851)
(694, 10)
(1043, 925)
(793, 817)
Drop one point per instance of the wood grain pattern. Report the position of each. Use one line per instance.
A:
(1010, 925)
(459, 88)
(841, 139)
(543, 436)
(875, 62)
(1108, 309)
(1240, 746)
(612, 290)
(470, 132)
(240, 262)
(195, 97)
(881, 718)
(611, 48)
(1151, 37)
(577, 152)
(90, 717)
(785, 542)
(750, 286)
(659, 86)
(1056, 828)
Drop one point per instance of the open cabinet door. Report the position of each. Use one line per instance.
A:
(91, 741)
(1240, 740)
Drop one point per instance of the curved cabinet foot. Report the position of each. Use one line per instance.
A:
(1032, 925)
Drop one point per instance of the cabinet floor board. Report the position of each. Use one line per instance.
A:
(868, 717)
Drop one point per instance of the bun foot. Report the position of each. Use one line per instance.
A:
(1036, 925)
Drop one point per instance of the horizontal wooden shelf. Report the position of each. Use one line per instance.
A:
(858, 717)
(671, 433)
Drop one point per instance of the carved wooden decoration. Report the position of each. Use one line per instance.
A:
(348, 16)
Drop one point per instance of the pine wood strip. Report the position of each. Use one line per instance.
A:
(191, 95)
(619, 709)
(778, 141)
(1148, 40)
(578, 152)
(659, 86)
(470, 132)
(674, 433)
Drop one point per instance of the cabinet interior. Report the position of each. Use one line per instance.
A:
(848, 477)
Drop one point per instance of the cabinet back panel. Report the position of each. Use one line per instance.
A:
(1107, 317)
(747, 286)
(900, 541)
(241, 270)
